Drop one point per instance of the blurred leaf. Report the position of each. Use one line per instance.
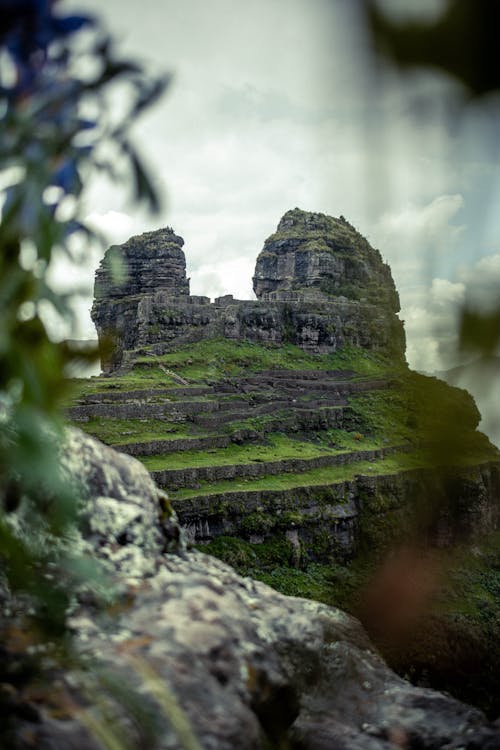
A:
(144, 189)
(480, 332)
(40, 127)
(464, 42)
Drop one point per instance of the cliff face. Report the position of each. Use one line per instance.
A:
(314, 253)
(145, 263)
(299, 466)
(319, 285)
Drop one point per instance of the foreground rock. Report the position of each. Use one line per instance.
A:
(219, 661)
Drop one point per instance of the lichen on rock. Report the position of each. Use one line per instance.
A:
(243, 665)
(121, 510)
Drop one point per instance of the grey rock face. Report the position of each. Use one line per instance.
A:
(320, 286)
(145, 263)
(126, 519)
(312, 252)
(243, 666)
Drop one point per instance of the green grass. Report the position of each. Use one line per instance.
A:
(426, 412)
(278, 447)
(473, 580)
(315, 477)
(454, 643)
(121, 431)
(139, 378)
(218, 358)
(272, 562)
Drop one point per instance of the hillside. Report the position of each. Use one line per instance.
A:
(291, 438)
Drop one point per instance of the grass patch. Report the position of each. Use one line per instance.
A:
(278, 448)
(454, 645)
(219, 358)
(139, 378)
(271, 562)
(315, 477)
(424, 411)
(121, 431)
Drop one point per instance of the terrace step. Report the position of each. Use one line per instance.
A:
(173, 410)
(310, 375)
(344, 387)
(286, 409)
(190, 477)
(162, 447)
(144, 394)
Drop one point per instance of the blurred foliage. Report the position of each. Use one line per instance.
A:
(451, 642)
(462, 43)
(58, 127)
(60, 81)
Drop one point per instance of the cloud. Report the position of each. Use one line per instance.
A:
(412, 237)
(431, 324)
(236, 279)
(114, 225)
(482, 282)
(432, 313)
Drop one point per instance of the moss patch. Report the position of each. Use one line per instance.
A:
(278, 448)
(120, 431)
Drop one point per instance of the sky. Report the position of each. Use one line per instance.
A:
(279, 103)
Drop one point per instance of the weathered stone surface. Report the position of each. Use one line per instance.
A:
(320, 286)
(248, 668)
(317, 254)
(145, 263)
(126, 520)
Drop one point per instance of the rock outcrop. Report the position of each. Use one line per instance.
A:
(193, 655)
(146, 263)
(299, 466)
(317, 255)
(320, 285)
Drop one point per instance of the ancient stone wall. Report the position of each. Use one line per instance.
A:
(320, 286)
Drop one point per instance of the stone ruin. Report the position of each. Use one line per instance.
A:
(319, 284)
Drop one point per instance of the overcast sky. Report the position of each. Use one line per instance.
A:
(276, 104)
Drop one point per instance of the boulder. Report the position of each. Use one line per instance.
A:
(213, 660)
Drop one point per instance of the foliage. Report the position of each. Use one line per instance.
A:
(462, 42)
(57, 130)
(454, 646)
(271, 562)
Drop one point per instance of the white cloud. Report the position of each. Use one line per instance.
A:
(416, 233)
(431, 315)
(482, 282)
(114, 225)
(236, 279)
(273, 106)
